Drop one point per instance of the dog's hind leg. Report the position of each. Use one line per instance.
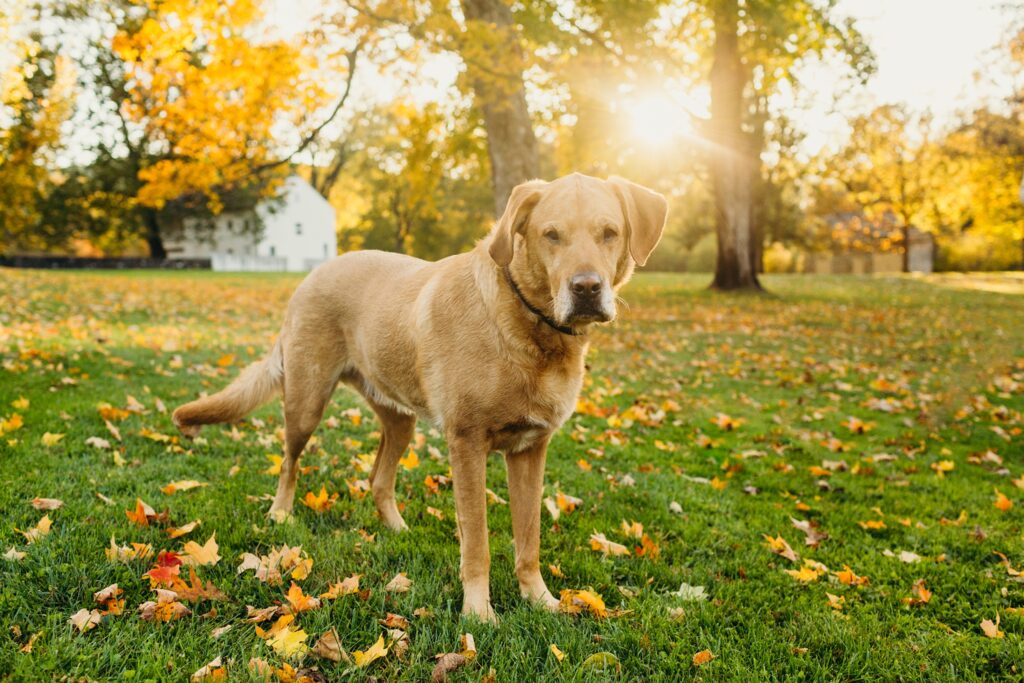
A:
(396, 431)
(308, 386)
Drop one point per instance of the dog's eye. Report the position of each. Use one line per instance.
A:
(610, 235)
(551, 235)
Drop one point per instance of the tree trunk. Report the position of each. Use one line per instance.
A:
(153, 236)
(732, 169)
(906, 248)
(496, 73)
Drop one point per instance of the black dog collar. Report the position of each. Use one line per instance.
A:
(536, 311)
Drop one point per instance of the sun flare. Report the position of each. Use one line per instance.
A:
(655, 118)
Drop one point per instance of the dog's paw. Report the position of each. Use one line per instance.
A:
(481, 612)
(280, 516)
(540, 598)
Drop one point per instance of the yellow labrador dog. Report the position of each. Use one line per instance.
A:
(487, 346)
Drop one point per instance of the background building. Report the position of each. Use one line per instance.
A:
(297, 235)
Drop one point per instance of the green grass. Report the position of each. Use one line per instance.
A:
(793, 367)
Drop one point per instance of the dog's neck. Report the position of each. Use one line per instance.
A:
(525, 327)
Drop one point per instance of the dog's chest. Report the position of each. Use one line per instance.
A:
(534, 408)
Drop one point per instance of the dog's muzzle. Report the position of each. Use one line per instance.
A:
(591, 301)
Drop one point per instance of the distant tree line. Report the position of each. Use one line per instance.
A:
(163, 110)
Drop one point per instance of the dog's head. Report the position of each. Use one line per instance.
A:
(571, 243)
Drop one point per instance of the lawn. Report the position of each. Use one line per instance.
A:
(881, 415)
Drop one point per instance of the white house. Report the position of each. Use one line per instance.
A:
(298, 234)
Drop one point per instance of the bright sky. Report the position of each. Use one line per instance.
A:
(942, 55)
(929, 50)
(931, 54)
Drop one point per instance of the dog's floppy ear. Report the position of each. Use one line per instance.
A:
(645, 213)
(522, 200)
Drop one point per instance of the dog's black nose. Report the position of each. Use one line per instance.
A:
(585, 284)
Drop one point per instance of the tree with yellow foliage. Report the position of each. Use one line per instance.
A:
(209, 92)
(36, 91)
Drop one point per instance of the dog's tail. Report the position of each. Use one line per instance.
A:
(257, 384)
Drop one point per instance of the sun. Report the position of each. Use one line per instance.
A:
(656, 118)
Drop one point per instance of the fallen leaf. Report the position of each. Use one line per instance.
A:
(299, 601)
(185, 485)
(85, 620)
(990, 629)
(165, 608)
(601, 661)
(344, 587)
(177, 532)
(576, 601)
(601, 543)
(447, 663)
(376, 651)
(922, 596)
(779, 546)
(703, 657)
(812, 537)
(214, 671)
(411, 461)
(329, 647)
(399, 584)
(319, 502)
(847, 577)
(49, 439)
(206, 554)
(47, 503)
(42, 528)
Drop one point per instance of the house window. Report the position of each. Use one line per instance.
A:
(325, 251)
(231, 224)
(298, 228)
(273, 250)
(245, 225)
(231, 251)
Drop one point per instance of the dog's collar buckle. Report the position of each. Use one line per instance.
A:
(564, 329)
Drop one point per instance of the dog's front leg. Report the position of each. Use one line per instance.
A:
(468, 456)
(525, 489)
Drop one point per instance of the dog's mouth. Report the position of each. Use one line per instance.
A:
(586, 315)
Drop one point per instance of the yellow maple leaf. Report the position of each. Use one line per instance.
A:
(779, 546)
(703, 657)
(991, 629)
(299, 601)
(319, 502)
(632, 529)
(559, 655)
(343, 587)
(602, 544)
(871, 524)
(184, 485)
(177, 532)
(376, 651)
(575, 601)
(206, 554)
(847, 577)
(836, 602)
(50, 439)
(410, 461)
(41, 529)
(288, 643)
(275, 464)
(804, 575)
